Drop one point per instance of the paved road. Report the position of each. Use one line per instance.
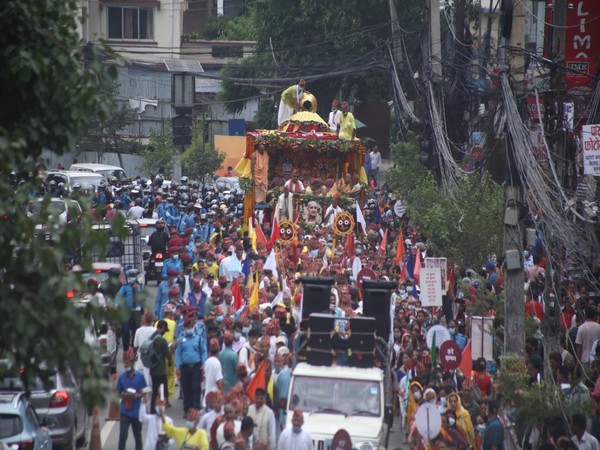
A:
(110, 429)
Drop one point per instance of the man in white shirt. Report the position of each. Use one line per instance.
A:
(136, 211)
(213, 373)
(334, 115)
(285, 206)
(375, 158)
(332, 211)
(294, 184)
(295, 437)
(141, 334)
(587, 334)
(581, 438)
(264, 418)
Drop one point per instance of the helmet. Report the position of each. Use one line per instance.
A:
(113, 180)
(183, 180)
(114, 272)
(76, 187)
(61, 185)
(52, 183)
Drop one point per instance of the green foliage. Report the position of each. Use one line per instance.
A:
(533, 404)
(339, 49)
(103, 133)
(200, 160)
(49, 91)
(463, 224)
(215, 27)
(161, 155)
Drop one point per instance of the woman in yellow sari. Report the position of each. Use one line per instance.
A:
(463, 418)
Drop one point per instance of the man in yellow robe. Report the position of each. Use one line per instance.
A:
(346, 124)
(290, 102)
(260, 174)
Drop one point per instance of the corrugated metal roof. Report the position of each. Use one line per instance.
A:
(183, 65)
(208, 85)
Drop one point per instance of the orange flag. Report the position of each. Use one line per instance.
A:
(400, 248)
(259, 381)
(417, 268)
(383, 245)
(466, 364)
(237, 294)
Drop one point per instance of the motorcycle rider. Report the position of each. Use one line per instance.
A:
(158, 244)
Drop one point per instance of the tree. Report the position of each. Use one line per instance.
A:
(461, 224)
(104, 132)
(161, 155)
(49, 90)
(198, 162)
(338, 49)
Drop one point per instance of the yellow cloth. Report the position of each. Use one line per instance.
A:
(244, 168)
(290, 96)
(339, 187)
(463, 419)
(347, 126)
(261, 176)
(307, 116)
(214, 269)
(413, 405)
(183, 436)
(170, 337)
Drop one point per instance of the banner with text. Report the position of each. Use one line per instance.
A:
(431, 287)
(590, 143)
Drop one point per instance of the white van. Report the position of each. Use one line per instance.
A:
(103, 169)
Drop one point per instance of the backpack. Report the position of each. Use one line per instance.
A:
(148, 354)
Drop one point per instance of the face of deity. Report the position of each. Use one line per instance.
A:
(313, 211)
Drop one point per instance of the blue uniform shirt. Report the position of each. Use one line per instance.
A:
(131, 407)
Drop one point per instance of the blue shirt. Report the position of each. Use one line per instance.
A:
(127, 294)
(494, 435)
(188, 349)
(131, 408)
(229, 362)
(171, 264)
(162, 298)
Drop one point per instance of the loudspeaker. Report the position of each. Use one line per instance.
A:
(319, 347)
(315, 295)
(376, 304)
(361, 341)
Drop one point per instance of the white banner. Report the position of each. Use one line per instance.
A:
(590, 144)
(431, 287)
(438, 263)
(482, 337)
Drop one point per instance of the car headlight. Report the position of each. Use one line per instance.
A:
(367, 445)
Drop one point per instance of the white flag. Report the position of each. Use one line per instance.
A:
(271, 264)
(360, 218)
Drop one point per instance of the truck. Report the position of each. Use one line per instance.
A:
(343, 380)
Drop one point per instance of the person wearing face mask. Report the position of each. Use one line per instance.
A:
(189, 436)
(415, 398)
(295, 437)
(456, 335)
(172, 263)
(189, 356)
(130, 385)
(462, 416)
(238, 338)
(451, 432)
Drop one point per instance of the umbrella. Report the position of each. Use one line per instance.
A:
(359, 124)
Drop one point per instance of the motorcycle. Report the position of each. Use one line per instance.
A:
(155, 268)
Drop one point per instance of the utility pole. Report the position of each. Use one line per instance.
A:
(396, 42)
(435, 40)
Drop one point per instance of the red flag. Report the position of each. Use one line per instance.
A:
(350, 245)
(260, 236)
(400, 248)
(275, 234)
(237, 294)
(417, 266)
(466, 364)
(259, 381)
(383, 245)
(403, 275)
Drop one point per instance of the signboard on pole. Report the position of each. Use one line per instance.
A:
(438, 263)
(482, 337)
(450, 355)
(428, 420)
(590, 143)
(537, 145)
(431, 287)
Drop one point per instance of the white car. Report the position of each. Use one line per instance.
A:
(60, 213)
(103, 169)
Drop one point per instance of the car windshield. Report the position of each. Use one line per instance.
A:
(54, 208)
(100, 276)
(87, 183)
(336, 396)
(146, 231)
(10, 425)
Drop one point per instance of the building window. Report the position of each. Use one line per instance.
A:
(130, 23)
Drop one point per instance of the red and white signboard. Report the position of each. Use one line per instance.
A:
(431, 287)
(590, 143)
(365, 274)
(450, 355)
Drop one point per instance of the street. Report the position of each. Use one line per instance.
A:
(110, 428)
